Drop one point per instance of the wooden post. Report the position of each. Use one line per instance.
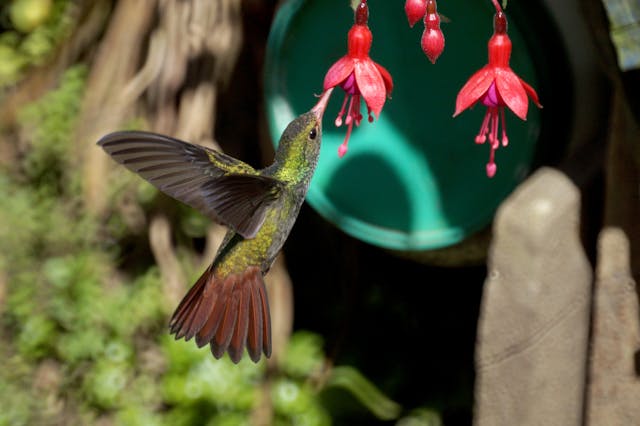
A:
(531, 353)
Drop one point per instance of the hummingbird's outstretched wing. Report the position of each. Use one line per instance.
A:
(221, 187)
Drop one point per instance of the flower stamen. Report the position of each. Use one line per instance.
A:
(493, 136)
(338, 121)
(491, 165)
(342, 149)
(484, 128)
(357, 117)
(505, 139)
(349, 118)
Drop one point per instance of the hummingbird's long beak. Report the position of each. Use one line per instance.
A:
(318, 110)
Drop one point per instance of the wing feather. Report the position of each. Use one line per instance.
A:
(221, 187)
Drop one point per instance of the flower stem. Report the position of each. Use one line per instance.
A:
(497, 6)
(362, 13)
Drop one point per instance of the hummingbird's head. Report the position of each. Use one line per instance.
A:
(299, 145)
(307, 128)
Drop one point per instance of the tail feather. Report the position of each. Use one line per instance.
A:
(225, 331)
(237, 343)
(180, 323)
(266, 318)
(229, 313)
(215, 310)
(254, 329)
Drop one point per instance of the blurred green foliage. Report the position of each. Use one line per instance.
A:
(31, 30)
(48, 125)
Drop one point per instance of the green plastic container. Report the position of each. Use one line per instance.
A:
(414, 179)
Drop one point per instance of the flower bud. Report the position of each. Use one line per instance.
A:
(415, 10)
(432, 38)
(362, 13)
(432, 43)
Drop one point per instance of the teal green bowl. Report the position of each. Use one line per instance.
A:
(414, 179)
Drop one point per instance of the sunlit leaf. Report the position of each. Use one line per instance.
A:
(366, 392)
(421, 417)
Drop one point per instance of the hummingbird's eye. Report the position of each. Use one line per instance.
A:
(313, 133)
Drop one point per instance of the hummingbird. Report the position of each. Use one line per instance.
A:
(227, 307)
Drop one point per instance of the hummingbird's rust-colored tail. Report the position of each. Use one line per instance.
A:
(228, 313)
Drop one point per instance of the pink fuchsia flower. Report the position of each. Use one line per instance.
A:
(432, 38)
(359, 77)
(497, 87)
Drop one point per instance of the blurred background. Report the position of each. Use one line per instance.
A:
(93, 260)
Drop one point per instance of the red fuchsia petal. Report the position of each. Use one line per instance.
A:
(371, 85)
(512, 92)
(338, 72)
(386, 78)
(474, 88)
(531, 92)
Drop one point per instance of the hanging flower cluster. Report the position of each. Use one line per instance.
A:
(432, 40)
(359, 77)
(496, 86)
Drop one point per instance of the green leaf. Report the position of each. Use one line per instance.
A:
(353, 381)
(421, 417)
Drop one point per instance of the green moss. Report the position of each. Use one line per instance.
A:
(37, 336)
(105, 383)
